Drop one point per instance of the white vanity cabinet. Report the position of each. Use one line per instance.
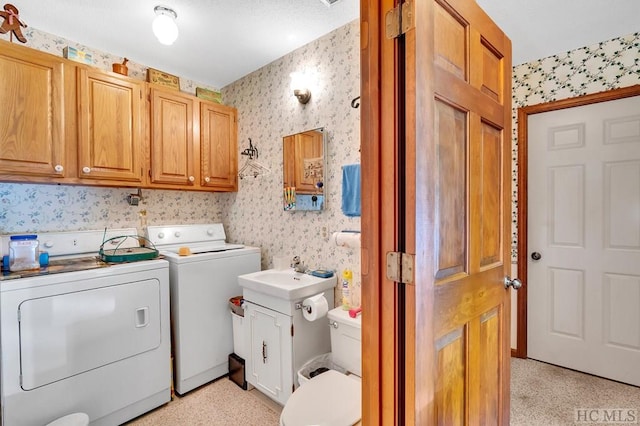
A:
(281, 341)
(270, 359)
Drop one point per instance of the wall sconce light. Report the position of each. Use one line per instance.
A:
(164, 25)
(300, 86)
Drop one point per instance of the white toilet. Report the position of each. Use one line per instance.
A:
(332, 398)
(75, 419)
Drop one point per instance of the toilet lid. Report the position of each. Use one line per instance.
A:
(329, 399)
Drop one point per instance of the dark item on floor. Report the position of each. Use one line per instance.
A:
(318, 371)
(236, 371)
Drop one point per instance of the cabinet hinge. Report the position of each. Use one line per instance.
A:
(398, 20)
(291, 330)
(400, 267)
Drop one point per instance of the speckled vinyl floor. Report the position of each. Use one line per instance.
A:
(221, 403)
(541, 395)
(547, 395)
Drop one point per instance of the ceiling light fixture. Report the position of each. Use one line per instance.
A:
(329, 3)
(164, 25)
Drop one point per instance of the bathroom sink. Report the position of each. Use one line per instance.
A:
(286, 284)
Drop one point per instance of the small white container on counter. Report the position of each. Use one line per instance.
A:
(24, 253)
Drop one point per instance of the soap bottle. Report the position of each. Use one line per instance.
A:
(347, 276)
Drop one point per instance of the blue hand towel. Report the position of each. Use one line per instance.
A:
(351, 190)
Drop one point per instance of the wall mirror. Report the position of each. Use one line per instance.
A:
(304, 167)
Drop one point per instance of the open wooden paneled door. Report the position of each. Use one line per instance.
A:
(436, 157)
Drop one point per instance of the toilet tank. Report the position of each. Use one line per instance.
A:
(346, 340)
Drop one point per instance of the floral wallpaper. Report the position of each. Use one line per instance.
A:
(49, 208)
(267, 111)
(603, 66)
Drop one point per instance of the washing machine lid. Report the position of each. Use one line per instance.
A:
(329, 399)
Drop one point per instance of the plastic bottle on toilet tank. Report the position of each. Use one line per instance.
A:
(347, 276)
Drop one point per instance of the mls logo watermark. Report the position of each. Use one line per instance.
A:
(626, 416)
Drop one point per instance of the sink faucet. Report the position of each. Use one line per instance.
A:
(298, 265)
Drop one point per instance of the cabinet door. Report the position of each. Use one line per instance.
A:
(219, 145)
(308, 145)
(32, 131)
(110, 136)
(270, 365)
(172, 150)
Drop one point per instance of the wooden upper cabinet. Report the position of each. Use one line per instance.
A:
(110, 128)
(219, 147)
(63, 122)
(172, 139)
(32, 127)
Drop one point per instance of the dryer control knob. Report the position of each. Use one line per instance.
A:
(210, 232)
(177, 234)
(48, 244)
(161, 235)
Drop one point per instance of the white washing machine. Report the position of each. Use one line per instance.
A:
(82, 335)
(202, 281)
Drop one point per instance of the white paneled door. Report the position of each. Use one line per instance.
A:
(584, 238)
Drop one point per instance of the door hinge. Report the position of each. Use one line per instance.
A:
(400, 267)
(398, 20)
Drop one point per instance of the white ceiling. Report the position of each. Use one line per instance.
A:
(221, 41)
(541, 28)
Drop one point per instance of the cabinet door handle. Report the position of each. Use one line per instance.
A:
(264, 352)
(192, 179)
(207, 179)
(86, 169)
(58, 168)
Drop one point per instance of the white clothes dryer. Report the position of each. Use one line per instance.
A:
(82, 335)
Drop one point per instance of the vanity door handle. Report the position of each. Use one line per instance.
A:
(264, 352)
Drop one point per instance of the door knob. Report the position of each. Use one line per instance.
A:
(536, 256)
(515, 283)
